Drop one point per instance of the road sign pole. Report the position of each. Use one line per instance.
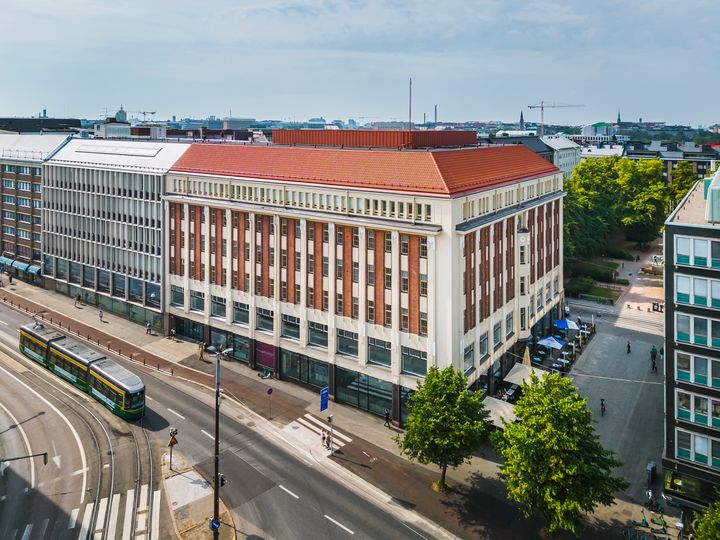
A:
(332, 443)
(216, 502)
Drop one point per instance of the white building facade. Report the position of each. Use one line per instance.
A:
(566, 153)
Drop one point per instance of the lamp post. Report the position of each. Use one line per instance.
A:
(215, 523)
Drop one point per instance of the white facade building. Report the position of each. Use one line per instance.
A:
(566, 153)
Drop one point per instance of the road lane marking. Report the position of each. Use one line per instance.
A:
(338, 524)
(149, 398)
(56, 456)
(129, 511)
(620, 379)
(155, 522)
(27, 444)
(3, 322)
(303, 422)
(100, 519)
(73, 518)
(206, 433)
(413, 530)
(286, 490)
(27, 532)
(43, 527)
(336, 433)
(114, 509)
(85, 526)
(83, 458)
(143, 500)
(176, 413)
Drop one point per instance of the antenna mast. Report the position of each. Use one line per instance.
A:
(410, 108)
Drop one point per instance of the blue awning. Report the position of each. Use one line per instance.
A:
(20, 265)
(5, 261)
(33, 269)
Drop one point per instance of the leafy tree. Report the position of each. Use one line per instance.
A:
(644, 195)
(708, 524)
(446, 424)
(683, 178)
(554, 464)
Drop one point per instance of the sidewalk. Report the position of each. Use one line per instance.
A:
(476, 505)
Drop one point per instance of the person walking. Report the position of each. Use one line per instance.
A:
(323, 437)
(654, 366)
(653, 354)
(201, 350)
(628, 347)
(148, 329)
(387, 418)
(100, 315)
(10, 279)
(662, 353)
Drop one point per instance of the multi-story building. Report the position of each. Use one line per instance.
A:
(702, 158)
(691, 459)
(566, 153)
(358, 269)
(101, 224)
(21, 158)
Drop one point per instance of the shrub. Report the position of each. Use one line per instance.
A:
(596, 271)
(578, 285)
(622, 281)
(617, 253)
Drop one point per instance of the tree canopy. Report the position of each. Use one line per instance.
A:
(683, 178)
(447, 423)
(708, 524)
(554, 465)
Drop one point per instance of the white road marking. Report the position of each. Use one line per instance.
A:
(302, 421)
(338, 524)
(56, 457)
(413, 530)
(155, 522)
(148, 398)
(3, 322)
(143, 500)
(286, 490)
(27, 532)
(325, 426)
(206, 433)
(27, 443)
(69, 424)
(100, 519)
(114, 509)
(129, 511)
(73, 518)
(79, 471)
(579, 374)
(85, 527)
(176, 413)
(43, 527)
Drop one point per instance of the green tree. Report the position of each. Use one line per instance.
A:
(708, 524)
(644, 196)
(554, 465)
(683, 178)
(446, 424)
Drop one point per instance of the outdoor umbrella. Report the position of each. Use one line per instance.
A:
(566, 324)
(552, 342)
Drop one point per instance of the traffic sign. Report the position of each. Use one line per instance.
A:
(173, 441)
(214, 524)
(324, 395)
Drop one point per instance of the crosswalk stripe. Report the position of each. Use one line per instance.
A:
(43, 527)
(85, 526)
(27, 532)
(142, 502)
(129, 511)
(100, 519)
(302, 421)
(155, 523)
(73, 518)
(336, 433)
(114, 510)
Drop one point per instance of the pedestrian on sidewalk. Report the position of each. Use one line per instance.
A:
(654, 366)
(662, 353)
(653, 354)
(323, 437)
(387, 418)
(201, 349)
(628, 347)
(148, 328)
(100, 315)
(10, 279)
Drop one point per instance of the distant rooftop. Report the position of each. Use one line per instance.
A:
(29, 147)
(691, 210)
(375, 138)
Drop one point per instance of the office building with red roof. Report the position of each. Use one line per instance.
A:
(359, 268)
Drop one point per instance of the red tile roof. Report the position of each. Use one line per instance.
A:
(439, 172)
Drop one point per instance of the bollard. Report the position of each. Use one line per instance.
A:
(158, 366)
(172, 372)
(119, 352)
(144, 362)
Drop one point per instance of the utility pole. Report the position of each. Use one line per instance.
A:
(410, 108)
(215, 523)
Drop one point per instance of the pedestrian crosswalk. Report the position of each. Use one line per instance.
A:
(88, 522)
(316, 426)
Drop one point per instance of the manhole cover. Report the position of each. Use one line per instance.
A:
(251, 424)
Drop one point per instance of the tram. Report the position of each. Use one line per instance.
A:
(108, 382)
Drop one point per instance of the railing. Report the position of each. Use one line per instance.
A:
(598, 299)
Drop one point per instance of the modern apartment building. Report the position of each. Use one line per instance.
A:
(101, 224)
(358, 269)
(566, 153)
(691, 460)
(21, 158)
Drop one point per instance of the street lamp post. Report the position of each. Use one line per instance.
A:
(215, 525)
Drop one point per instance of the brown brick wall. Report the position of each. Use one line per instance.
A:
(469, 253)
(510, 258)
(218, 245)
(531, 246)
(379, 262)
(556, 231)
(265, 257)
(498, 298)
(347, 257)
(198, 233)
(548, 236)
(414, 285)
(290, 270)
(484, 273)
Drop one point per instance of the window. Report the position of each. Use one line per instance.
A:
(700, 370)
(388, 243)
(682, 289)
(404, 244)
(290, 327)
(197, 301)
(404, 319)
(241, 313)
(355, 272)
(177, 296)
(682, 250)
(700, 291)
(371, 240)
(310, 263)
(469, 358)
(388, 315)
(338, 268)
(522, 254)
(682, 327)
(355, 307)
(217, 306)
(539, 301)
(682, 366)
(423, 285)
(264, 319)
(404, 281)
(317, 334)
(497, 335)
(371, 274)
(339, 236)
(413, 361)
(523, 319)
(388, 278)
(379, 351)
(700, 328)
(338, 304)
(684, 441)
(371, 311)
(423, 324)
(347, 342)
(700, 252)
(522, 285)
(423, 248)
(325, 267)
(509, 325)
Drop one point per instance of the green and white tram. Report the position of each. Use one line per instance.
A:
(108, 382)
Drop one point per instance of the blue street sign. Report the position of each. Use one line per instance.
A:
(269, 391)
(324, 395)
(214, 524)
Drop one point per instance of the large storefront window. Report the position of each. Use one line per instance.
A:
(89, 277)
(62, 269)
(379, 352)
(152, 295)
(303, 369)
(103, 281)
(241, 348)
(264, 354)
(177, 296)
(119, 285)
(347, 342)
(190, 329)
(406, 396)
(362, 391)
(75, 273)
(48, 265)
(136, 290)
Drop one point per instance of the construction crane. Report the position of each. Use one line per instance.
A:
(144, 113)
(542, 106)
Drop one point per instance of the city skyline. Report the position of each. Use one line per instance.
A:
(291, 60)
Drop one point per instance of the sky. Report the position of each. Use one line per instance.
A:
(339, 59)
